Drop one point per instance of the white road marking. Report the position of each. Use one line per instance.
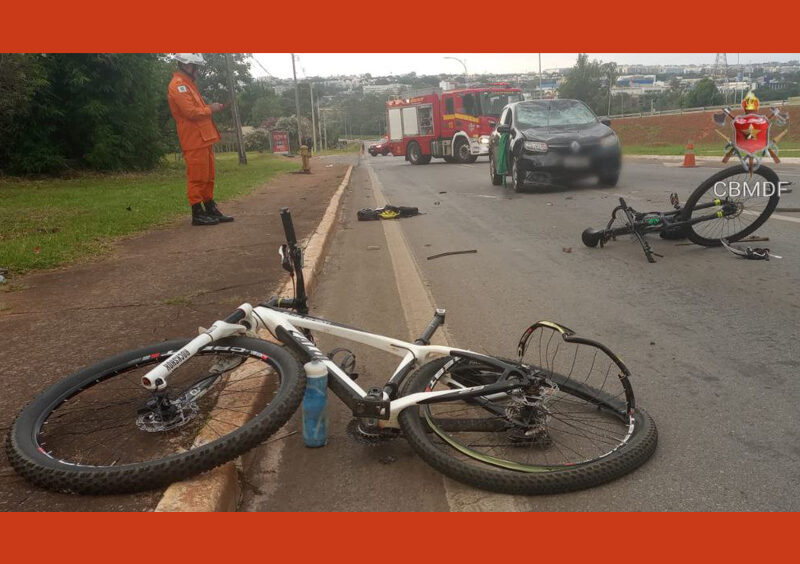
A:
(418, 307)
(775, 216)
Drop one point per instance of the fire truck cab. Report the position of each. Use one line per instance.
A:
(454, 125)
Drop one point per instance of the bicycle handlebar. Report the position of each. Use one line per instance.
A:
(288, 227)
(300, 302)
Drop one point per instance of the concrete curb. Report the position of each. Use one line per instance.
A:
(219, 489)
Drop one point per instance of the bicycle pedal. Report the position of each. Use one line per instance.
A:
(674, 200)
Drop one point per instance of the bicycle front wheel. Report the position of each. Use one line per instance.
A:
(100, 431)
(742, 203)
(565, 435)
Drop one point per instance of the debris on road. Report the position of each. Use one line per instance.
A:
(566, 249)
(452, 253)
(386, 212)
(373, 248)
(759, 253)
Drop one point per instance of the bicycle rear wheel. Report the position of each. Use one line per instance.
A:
(743, 203)
(566, 434)
(100, 431)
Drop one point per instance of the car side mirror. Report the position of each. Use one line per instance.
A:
(503, 128)
(605, 120)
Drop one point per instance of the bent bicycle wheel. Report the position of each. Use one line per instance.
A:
(738, 203)
(569, 430)
(100, 431)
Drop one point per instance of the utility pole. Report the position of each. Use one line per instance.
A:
(313, 122)
(541, 94)
(319, 125)
(237, 123)
(297, 104)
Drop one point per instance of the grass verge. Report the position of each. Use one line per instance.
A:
(787, 149)
(51, 222)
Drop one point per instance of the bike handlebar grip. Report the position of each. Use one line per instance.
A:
(288, 227)
(591, 237)
(437, 320)
(235, 317)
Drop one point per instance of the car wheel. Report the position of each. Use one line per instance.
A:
(517, 183)
(497, 180)
(609, 179)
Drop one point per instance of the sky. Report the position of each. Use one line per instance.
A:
(382, 64)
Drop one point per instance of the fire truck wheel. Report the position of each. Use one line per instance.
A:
(461, 150)
(415, 156)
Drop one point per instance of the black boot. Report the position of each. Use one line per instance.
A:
(213, 211)
(200, 217)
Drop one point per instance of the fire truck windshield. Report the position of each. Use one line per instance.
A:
(492, 103)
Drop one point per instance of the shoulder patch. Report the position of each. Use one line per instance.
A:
(182, 88)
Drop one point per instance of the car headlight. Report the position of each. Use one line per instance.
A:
(536, 146)
(609, 141)
(485, 139)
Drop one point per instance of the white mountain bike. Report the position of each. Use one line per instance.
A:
(560, 417)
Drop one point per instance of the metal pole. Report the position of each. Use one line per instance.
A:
(541, 94)
(319, 125)
(297, 104)
(313, 122)
(237, 124)
(466, 75)
(324, 128)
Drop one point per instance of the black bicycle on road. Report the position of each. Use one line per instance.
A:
(729, 205)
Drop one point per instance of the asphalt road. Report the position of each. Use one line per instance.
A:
(712, 340)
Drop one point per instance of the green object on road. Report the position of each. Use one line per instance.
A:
(502, 156)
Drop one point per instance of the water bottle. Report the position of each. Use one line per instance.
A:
(315, 411)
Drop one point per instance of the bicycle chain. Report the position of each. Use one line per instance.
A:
(358, 435)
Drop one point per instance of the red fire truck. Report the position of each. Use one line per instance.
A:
(452, 124)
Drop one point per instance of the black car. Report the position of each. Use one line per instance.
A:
(553, 140)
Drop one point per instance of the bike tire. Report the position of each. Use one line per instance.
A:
(700, 233)
(30, 450)
(446, 457)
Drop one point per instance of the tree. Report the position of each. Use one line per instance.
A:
(213, 81)
(704, 93)
(96, 110)
(589, 81)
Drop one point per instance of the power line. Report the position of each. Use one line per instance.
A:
(262, 66)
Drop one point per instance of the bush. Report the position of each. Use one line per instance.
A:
(257, 140)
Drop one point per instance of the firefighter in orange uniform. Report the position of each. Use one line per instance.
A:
(197, 135)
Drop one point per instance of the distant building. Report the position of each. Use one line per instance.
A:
(384, 88)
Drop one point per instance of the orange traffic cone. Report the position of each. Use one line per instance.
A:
(688, 157)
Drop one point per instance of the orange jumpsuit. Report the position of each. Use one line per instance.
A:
(197, 135)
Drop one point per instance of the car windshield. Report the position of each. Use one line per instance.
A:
(553, 112)
(492, 103)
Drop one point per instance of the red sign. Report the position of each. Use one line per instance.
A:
(280, 141)
(751, 133)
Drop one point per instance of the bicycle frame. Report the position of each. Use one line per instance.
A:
(383, 404)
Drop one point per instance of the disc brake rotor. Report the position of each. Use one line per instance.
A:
(155, 419)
